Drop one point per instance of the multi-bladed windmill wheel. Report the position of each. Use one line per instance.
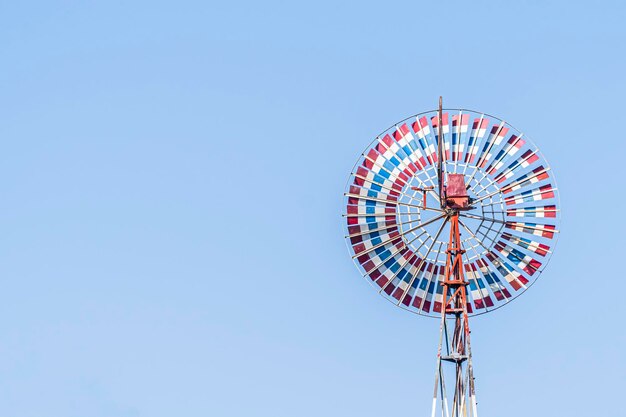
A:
(452, 213)
(508, 235)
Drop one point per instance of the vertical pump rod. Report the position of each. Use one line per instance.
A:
(440, 153)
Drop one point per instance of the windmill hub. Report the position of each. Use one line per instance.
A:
(455, 194)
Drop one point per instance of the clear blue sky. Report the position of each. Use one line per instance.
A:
(171, 178)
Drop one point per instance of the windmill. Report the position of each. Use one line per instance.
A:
(451, 213)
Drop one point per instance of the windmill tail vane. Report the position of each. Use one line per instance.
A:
(451, 214)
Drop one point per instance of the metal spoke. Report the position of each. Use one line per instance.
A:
(487, 249)
(393, 202)
(472, 216)
(385, 228)
(487, 196)
(420, 207)
(400, 235)
(434, 219)
(426, 257)
(380, 228)
(430, 192)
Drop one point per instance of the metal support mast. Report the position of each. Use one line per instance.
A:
(454, 348)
